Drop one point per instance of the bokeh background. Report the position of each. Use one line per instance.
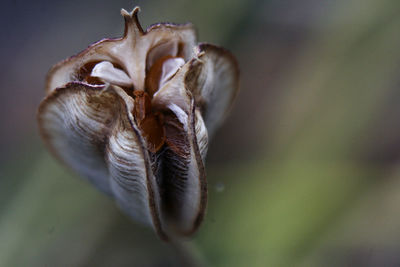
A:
(305, 171)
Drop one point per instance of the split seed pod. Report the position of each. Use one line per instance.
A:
(134, 115)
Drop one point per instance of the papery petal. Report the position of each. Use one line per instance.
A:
(131, 177)
(184, 184)
(173, 91)
(169, 68)
(74, 121)
(168, 48)
(213, 79)
(181, 36)
(182, 172)
(129, 52)
(70, 70)
(91, 129)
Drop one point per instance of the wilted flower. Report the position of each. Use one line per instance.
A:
(133, 116)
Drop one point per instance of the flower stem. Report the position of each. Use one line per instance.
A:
(187, 253)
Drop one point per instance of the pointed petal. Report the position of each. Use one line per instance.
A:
(213, 79)
(176, 37)
(129, 53)
(173, 91)
(183, 179)
(90, 129)
(169, 68)
(182, 173)
(132, 181)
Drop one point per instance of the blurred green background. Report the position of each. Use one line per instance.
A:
(305, 171)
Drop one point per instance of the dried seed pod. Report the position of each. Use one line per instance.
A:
(133, 116)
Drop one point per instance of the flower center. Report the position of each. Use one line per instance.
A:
(156, 127)
(151, 123)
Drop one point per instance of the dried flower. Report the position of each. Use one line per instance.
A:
(133, 116)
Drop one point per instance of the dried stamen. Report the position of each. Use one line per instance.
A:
(158, 128)
(151, 124)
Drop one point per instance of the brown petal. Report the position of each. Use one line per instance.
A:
(74, 122)
(182, 175)
(71, 69)
(129, 53)
(91, 129)
(171, 39)
(213, 79)
(183, 180)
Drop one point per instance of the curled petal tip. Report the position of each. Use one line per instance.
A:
(131, 20)
(131, 14)
(124, 13)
